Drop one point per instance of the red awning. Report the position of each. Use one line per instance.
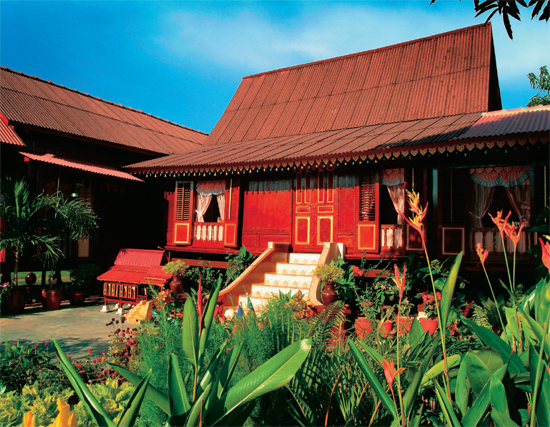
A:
(8, 135)
(88, 167)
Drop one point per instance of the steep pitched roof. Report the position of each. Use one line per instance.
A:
(442, 75)
(32, 101)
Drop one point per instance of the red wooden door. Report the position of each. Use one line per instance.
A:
(183, 213)
(232, 201)
(314, 210)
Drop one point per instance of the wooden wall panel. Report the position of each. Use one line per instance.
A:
(347, 204)
(267, 210)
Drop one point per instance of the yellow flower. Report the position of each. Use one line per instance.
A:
(28, 420)
(419, 213)
(66, 417)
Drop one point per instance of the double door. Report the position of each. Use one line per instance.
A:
(314, 210)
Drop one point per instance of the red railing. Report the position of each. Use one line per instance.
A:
(208, 231)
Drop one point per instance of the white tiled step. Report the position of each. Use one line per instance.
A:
(256, 302)
(296, 269)
(295, 258)
(288, 281)
(262, 291)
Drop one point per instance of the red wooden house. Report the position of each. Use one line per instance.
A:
(61, 138)
(323, 153)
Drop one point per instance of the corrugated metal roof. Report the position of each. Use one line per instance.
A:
(506, 122)
(122, 275)
(8, 135)
(29, 100)
(439, 76)
(318, 145)
(139, 257)
(102, 170)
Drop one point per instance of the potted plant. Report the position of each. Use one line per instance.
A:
(329, 274)
(428, 317)
(52, 297)
(82, 277)
(178, 269)
(12, 297)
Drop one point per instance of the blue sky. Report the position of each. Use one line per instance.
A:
(183, 61)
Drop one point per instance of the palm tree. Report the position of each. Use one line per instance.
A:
(42, 222)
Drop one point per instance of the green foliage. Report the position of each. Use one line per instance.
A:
(542, 82)
(41, 401)
(83, 276)
(236, 264)
(113, 396)
(209, 276)
(176, 268)
(329, 273)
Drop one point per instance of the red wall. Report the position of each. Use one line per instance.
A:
(267, 212)
(348, 210)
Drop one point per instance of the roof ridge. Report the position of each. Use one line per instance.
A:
(103, 115)
(338, 58)
(98, 99)
(518, 110)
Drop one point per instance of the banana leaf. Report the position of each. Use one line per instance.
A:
(439, 367)
(462, 389)
(177, 392)
(159, 398)
(223, 377)
(446, 406)
(197, 409)
(499, 399)
(207, 318)
(190, 338)
(273, 374)
(411, 394)
(481, 366)
(449, 289)
(208, 376)
(501, 419)
(542, 409)
(94, 407)
(374, 383)
(540, 337)
(128, 418)
(490, 339)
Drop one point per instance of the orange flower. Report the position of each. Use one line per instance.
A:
(28, 420)
(545, 247)
(514, 234)
(389, 371)
(419, 212)
(482, 254)
(400, 280)
(501, 223)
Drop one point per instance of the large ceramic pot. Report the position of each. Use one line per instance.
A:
(386, 328)
(176, 285)
(429, 325)
(328, 295)
(77, 298)
(14, 303)
(51, 299)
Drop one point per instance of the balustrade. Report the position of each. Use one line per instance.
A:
(491, 236)
(391, 237)
(208, 231)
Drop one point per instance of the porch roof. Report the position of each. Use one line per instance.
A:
(87, 167)
(8, 135)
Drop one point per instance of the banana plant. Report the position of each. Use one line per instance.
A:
(202, 396)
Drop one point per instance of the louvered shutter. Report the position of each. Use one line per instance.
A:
(232, 204)
(183, 215)
(368, 225)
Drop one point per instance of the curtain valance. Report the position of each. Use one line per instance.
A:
(507, 176)
(393, 176)
(211, 188)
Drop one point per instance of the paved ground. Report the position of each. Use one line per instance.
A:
(76, 329)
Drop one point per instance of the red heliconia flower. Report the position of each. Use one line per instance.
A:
(482, 253)
(514, 234)
(389, 371)
(501, 223)
(545, 247)
(400, 280)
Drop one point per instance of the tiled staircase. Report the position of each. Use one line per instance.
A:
(294, 276)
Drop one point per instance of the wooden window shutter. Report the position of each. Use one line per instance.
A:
(232, 215)
(183, 215)
(368, 225)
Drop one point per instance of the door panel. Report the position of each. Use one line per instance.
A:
(183, 215)
(232, 202)
(314, 210)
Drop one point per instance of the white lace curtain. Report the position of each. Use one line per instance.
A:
(394, 180)
(515, 180)
(205, 191)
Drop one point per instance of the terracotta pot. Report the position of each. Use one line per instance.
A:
(176, 285)
(14, 303)
(51, 299)
(77, 298)
(405, 324)
(363, 327)
(429, 325)
(386, 328)
(328, 296)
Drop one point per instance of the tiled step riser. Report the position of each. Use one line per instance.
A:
(262, 291)
(296, 269)
(288, 281)
(310, 259)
